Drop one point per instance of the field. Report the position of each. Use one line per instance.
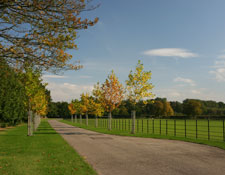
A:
(207, 131)
(44, 153)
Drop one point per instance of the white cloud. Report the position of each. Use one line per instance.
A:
(219, 74)
(185, 80)
(170, 52)
(219, 69)
(194, 91)
(53, 76)
(221, 56)
(67, 91)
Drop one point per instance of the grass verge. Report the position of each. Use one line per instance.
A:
(42, 154)
(219, 144)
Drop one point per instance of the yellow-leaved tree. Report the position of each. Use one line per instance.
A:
(112, 95)
(76, 106)
(72, 110)
(97, 107)
(85, 105)
(138, 87)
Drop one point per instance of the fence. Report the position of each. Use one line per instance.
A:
(194, 129)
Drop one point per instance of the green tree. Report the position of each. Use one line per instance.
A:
(192, 107)
(12, 96)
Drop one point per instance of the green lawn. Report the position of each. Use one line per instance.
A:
(44, 153)
(144, 128)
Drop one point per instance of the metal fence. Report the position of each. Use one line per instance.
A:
(194, 129)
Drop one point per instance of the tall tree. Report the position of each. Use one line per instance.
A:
(138, 86)
(38, 32)
(12, 96)
(112, 95)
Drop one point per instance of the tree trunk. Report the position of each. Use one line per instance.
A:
(110, 121)
(86, 118)
(96, 121)
(72, 118)
(133, 116)
(75, 118)
(30, 123)
(80, 119)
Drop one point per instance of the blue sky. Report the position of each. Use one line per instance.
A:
(182, 42)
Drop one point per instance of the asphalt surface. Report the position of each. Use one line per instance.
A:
(121, 155)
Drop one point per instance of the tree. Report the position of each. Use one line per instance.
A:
(12, 96)
(85, 106)
(138, 87)
(192, 107)
(96, 105)
(38, 33)
(72, 108)
(112, 94)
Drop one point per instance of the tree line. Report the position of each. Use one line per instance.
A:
(21, 91)
(35, 37)
(160, 108)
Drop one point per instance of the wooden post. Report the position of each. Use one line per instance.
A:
(110, 121)
(133, 115)
(86, 118)
(80, 119)
(75, 118)
(72, 118)
(96, 121)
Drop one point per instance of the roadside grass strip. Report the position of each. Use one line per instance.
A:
(45, 153)
(124, 130)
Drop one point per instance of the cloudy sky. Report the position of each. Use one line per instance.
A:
(182, 42)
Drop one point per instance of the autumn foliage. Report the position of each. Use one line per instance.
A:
(38, 32)
(112, 93)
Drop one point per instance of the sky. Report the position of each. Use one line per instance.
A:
(182, 42)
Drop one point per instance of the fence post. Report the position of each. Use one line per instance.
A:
(80, 119)
(175, 127)
(223, 132)
(160, 126)
(110, 121)
(72, 118)
(142, 125)
(153, 129)
(208, 131)
(129, 125)
(196, 129)
(137, 125)
(166, 127)
(185, 128)
(133, 115)
(86, 118)
(125, 125)
(148, 126)
(75, 118)
(122, 125)
(96, 121)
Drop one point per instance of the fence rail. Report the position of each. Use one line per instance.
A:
(194, 129)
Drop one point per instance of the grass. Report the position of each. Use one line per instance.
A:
(124, 131)
(44, 153)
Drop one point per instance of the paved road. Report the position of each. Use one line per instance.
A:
(120, 155)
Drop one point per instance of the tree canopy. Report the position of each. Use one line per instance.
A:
(38, 32)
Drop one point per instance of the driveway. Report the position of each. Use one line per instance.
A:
(121, 155)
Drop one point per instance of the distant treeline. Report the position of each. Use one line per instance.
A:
(159, 107)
